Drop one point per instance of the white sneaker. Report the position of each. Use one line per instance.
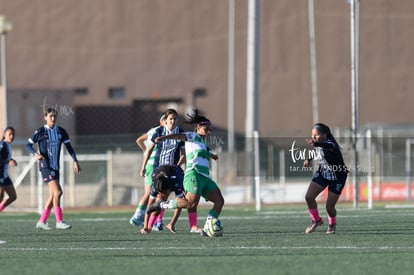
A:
(136, 221)
(63, 225)
(43, 226)
(195, 229)
(158, 226)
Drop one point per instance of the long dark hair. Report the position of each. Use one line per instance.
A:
(7, 129)
(169, 112)
(324, 129)
(162, 181)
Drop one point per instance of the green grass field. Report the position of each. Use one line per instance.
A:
(378, 241)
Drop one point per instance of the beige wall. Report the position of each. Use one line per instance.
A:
(166, 48)
(2, 124)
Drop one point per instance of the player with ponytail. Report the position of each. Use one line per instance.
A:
(332, 173)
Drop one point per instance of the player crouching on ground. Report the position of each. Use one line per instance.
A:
(165, 179)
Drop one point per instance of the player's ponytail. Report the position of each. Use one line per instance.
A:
(196, 118)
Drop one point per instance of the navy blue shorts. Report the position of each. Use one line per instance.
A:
(5, 182)
(334, 186)
(178, 188)
(49, 174)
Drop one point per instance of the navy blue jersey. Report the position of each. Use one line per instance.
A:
(167, 151)
(49, 141)
(4, 159)
(331, 161)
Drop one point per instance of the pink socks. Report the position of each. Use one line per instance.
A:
(160, 215)
(46, 213)
(151, 221)
(192, 219)
(314, 214)
(44, 216)
(58, 214)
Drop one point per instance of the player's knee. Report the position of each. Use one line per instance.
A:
(58, 193)
(309, 198)
(192, 206)
(12, 197)
(218, 200)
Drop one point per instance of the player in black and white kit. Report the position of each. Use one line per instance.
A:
(49, 139)
(166, 153)
(332, 173)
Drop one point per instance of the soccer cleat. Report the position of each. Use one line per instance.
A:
(43, 226)
(313, 226)
(203, 233)
(195, 229)
(136, 221)
(158, 227)
(331, 229)
(63, 225)
(154, 207)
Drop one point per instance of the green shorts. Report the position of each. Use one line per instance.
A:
(149, 169)
(195, 183)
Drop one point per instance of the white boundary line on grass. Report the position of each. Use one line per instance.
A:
(399, 248)
(401, 206)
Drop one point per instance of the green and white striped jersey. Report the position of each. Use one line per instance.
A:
(147, 142)
(197, 154)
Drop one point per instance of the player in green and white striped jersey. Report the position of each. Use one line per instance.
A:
(143, 142)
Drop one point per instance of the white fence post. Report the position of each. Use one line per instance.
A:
(110, 186)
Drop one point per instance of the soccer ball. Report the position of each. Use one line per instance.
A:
(213, 227)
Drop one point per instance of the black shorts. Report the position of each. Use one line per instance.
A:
(334, 186)
(6, 182)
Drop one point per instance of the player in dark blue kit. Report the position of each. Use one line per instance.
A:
(6, 160)
(49, 139)
(332, 173)
(166, 153)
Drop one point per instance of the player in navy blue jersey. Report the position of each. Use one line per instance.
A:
(168, 153)
(6, 160)
(332, 173)
(49, 139)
